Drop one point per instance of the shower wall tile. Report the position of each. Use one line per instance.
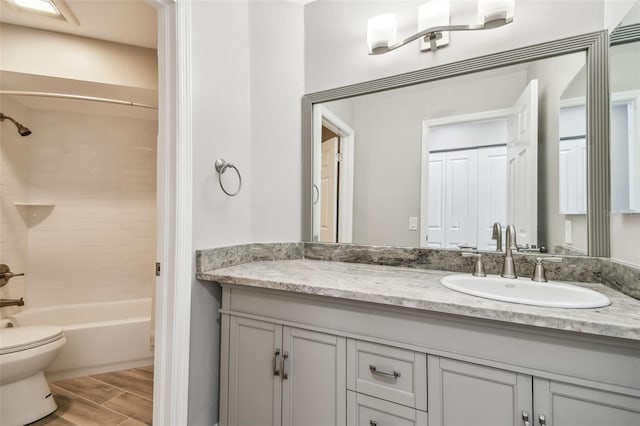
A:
(98, 242)
(13, 189)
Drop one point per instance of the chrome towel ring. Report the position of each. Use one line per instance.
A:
(221, 166)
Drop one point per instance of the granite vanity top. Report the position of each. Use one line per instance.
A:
(421, 289)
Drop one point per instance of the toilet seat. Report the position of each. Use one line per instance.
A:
(18, 339)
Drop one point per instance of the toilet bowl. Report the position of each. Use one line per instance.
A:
(24, 353)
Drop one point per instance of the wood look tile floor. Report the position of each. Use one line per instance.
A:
(119, 398)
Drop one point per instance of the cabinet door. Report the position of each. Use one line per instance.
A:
(313, 378)
(254, 389)
(462, 393)
(563, 404)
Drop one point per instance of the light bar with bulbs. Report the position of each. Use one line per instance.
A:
(434, 15)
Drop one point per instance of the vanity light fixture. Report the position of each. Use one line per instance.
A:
(434, 16)
(41, 6)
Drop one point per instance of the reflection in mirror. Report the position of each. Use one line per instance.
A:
(439, 163)
(572, 165)
(624, 61)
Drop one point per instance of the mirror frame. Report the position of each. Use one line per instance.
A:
(626, 34)
(595, 45)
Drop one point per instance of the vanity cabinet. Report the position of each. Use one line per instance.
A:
(299, 360)
(281, 375)
(466, 393)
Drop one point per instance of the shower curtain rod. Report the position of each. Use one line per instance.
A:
(76, 97)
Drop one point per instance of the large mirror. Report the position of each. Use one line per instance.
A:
(449, 162)
(624, 63)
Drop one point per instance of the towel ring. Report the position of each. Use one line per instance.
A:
(221, 166)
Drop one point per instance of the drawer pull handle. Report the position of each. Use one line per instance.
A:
(285, 355)
(373, 423)
(276, 372)
(374, 370)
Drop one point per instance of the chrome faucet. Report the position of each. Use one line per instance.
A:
(509, 268)
(11, 302)
(497, 235)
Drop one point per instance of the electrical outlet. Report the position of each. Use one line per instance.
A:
(413, 223)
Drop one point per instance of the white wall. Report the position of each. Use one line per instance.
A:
(247, 87)
(277, 62)
(13, 188)
(38, 52)
(335, 36)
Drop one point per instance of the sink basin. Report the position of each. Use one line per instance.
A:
(523, 290)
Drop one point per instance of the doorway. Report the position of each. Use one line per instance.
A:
(333, 181)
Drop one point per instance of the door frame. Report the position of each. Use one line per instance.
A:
(323, 117)
(424, 163)
(174, 203)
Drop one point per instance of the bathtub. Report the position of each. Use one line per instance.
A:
(101, 337)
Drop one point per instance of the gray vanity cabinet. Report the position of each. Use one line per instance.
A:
(464, 393)
(281, 375)
(298, 360)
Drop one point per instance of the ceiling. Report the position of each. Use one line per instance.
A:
(131, 22)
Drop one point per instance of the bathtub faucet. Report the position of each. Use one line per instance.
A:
(11, 302)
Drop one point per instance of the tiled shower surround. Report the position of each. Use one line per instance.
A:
(620, 277)
(96, 239)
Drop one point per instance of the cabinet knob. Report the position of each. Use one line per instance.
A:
(542, 419)
(373, 423)
(525, 418)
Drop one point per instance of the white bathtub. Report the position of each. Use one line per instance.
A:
(101, 337)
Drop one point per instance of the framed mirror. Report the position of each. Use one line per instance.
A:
(472, 128)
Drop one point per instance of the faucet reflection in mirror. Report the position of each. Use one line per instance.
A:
(433, 25)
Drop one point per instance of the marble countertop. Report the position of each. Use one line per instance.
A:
(420, 289)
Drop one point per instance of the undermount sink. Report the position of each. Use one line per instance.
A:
(523, 290)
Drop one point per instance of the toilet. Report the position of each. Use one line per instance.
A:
(24, 353)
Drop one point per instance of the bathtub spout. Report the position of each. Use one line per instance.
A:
(11, 302)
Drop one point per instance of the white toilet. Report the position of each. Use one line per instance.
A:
(24, 353)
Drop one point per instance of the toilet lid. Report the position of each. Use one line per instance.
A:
(20, 338)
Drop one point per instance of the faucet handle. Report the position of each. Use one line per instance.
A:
(478, 266)
(539, 274)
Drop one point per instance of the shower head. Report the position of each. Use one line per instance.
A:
(21, 129)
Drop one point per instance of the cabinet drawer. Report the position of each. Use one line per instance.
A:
(363, 410)
(393, 374)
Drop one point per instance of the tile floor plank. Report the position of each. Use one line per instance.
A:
(83, 412)
(130, 381)
(132, 422)
(53, 420)
(132, 406)
(147, 368)
(89, 388)
(144, 373)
